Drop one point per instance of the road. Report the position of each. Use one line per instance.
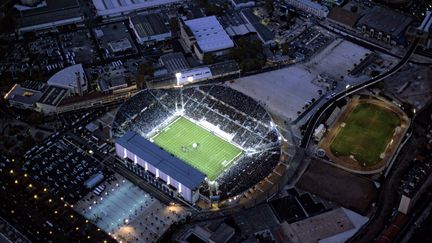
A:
(315, 119)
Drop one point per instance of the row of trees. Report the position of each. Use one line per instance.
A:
(249, 53)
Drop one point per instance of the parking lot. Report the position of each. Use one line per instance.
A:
(309, 42)
(274, 90)
(41, 54)
(63, 168)
(79, 47)
(128, 213)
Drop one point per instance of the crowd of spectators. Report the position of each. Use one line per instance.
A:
(233, 112)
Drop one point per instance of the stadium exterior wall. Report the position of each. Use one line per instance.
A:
(129, 157)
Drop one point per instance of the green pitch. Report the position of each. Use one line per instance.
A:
(210, 155)
(367, 132)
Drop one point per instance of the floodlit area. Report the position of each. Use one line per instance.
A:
(128, 213)
(197, 146)
(337, 58)
(283, 91)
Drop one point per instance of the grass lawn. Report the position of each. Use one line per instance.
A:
(211, 155)
(367, 132)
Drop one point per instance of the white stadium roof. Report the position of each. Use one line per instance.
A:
(210, 34)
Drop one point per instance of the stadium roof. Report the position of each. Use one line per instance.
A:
(159, 158)
(210, 34)
(149, 24)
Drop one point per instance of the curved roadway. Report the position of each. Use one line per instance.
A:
(315, 119)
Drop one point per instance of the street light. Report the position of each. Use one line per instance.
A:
(178, 76)
(346, 89)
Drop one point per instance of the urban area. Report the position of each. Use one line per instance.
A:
(215, 121)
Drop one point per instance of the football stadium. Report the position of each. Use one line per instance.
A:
(205, 141)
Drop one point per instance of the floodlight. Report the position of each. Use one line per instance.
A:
(190, 79)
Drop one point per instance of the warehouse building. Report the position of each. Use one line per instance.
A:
(310, 7)
(149, 28)
(50, 15)
(205, 35)
(115, 8)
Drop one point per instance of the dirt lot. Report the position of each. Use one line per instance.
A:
(350, 191)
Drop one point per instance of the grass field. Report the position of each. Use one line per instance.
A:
(367, 132)
(211, 155)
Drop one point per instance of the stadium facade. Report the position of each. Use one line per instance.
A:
(165, 171)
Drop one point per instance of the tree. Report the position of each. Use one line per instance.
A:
(145, 71)
(269, 7)
(209, 58)
(285, 48)
(213, 9)
(174, 24)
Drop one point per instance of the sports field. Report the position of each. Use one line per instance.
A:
(197, 146)
(366, 134)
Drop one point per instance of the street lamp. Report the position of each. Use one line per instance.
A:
(178, 76)
(346, 89)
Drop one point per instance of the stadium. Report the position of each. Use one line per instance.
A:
(208, 141)
(365, 135)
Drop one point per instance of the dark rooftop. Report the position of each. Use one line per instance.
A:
(386, 20)
(149, 24)
(53, 95)
(264, 33)
(55, 10)
(343, 16)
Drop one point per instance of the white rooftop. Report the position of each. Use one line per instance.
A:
(210, 34)
(67, 77)
(116, 7)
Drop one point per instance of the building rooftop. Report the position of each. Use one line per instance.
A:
(242, 1)
(120, 45)
(67, 77)
(210, 34)
(223, 233)
(116, 7)
(385, 20)
(53, 95)
(164, 161)
(23, 95)
(174, 62)
(53, 11)
(313, 5)
(149, 24)
(263, 32)
(343, 16)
